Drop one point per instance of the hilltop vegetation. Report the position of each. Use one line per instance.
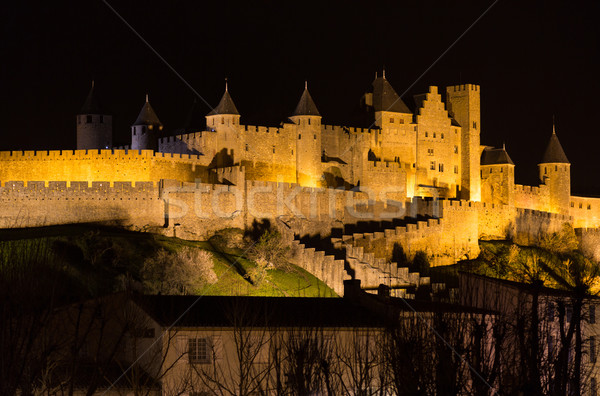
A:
(88, 261)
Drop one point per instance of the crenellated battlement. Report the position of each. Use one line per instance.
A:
(115, 154)
(183, 137)
(34, 189)
(384, 166)
(464, 87)
(347, 129)
(262, 129)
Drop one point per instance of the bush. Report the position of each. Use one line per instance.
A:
(270, 251)
(182, 272)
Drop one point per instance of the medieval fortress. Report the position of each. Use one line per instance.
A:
(420, 179)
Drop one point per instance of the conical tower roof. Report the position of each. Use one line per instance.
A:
(385, 97)
(554, 152)
(147, 115)
(496, 157)
(306, 106)
(225, 106)
(91, 105)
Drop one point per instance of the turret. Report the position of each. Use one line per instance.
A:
(308, 142)
(225, 113)
(497, 177)
(464, 106)
(146, 129)
(555, 172)
(94, 127)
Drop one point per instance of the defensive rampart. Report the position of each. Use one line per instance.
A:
(100, 165)
(133, 205)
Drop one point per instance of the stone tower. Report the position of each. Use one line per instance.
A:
(464, 106)
(225, 120)
(555, 172)
(497, 177)
(146, 129)
(308, 142)
(94, 128)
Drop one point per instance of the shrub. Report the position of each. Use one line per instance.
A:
(182, 272)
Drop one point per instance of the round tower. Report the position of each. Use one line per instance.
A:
(94, 127)
(146, 129)
(308, 142)
(497, 177)
(555, 172)
(225, 121)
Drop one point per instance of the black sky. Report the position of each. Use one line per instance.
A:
(533, 59)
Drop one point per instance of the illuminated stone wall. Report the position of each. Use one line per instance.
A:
(104, 165)
(133, 205)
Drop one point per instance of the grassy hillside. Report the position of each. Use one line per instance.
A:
(95, 260)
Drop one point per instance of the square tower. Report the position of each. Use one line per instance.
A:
(464, 106)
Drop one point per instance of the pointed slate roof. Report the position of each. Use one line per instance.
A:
(306, 106)
(91, 105)
(225, 106)
(147, 115)
(495, 157)
(385, 97)
(554, 152)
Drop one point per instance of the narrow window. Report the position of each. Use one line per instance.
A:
(434, 135)
(501, 170)
(455, 149)
(580, 205)
(246, 147)
(589, 206)
(222, 120)
(299, 136)
(592, 349)
(273, 149)
(592, 314)
(441, 167)
(442, 135)
(474, 124)
(572, 204)
(426, 134)
(432, 165)
(315, 137)
(199, 351)
(88, 119)
(292, 152)
(555, 168)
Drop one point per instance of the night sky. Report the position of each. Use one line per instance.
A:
(533, 59)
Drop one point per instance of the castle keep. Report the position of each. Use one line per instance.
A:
(420, 177)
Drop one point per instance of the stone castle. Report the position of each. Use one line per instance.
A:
(420, 178)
